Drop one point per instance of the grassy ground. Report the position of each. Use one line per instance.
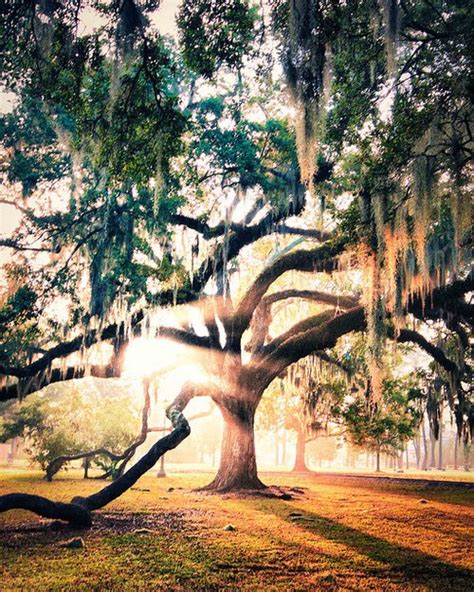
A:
(337, 533)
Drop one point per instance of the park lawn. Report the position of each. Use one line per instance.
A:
(337, 533)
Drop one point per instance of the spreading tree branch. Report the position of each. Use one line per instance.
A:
(78, 511)
(322, 258)
(301, 342)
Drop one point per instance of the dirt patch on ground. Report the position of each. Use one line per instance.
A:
(27, 534)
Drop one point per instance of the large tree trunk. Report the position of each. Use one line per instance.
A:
(300, 463)
(238, 464)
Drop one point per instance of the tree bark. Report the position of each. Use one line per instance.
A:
(416, 445)
(440, 446)
(456, 441)
(377, 456)
(238, 464)
(277, 459)
(283, 448)
(433, 448)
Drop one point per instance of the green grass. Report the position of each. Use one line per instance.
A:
(339, 534)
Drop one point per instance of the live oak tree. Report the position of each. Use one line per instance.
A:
(383, 138)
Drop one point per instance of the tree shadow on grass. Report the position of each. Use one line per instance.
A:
(400, 563)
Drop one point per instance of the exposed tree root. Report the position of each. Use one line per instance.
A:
(267, 491)
(218, 486)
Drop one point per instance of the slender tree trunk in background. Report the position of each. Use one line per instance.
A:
(277, 459)
(400, 461)
(416, 446)
(440, 447)
(456, 451)
(433, 449)
(238, 464)
(407, 457)
(467, 454)
(13, 450)
(86, 465)
(377, 460)
(300, 463)
(161, 471)
(425, 447)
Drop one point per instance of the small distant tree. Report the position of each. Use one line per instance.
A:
(383, 426)
(52, 430)
(44, 435)
(323, 447)
(300, 401)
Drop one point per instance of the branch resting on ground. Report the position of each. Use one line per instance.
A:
(78, 511)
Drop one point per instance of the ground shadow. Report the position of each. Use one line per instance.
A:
(401, 563)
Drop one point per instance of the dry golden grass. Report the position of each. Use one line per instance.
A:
(338, 533)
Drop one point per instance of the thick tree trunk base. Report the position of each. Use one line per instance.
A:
(300, 469)
(239, 484)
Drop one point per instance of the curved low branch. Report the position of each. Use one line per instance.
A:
(73, 513)
(77, 513)
(55, 465)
